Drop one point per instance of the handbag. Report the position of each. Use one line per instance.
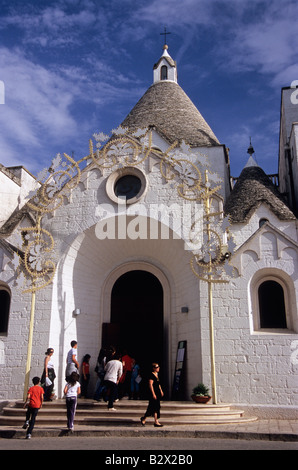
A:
(48, 382)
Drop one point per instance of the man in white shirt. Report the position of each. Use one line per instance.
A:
(72, 364)
(113, 372)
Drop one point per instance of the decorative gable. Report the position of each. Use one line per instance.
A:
(268, 246)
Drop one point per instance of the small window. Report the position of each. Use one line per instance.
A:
(272, 305)
(128, 186)
(164, 72)
(4, 310)
(262, 222)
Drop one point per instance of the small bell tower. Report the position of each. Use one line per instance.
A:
(165, 68)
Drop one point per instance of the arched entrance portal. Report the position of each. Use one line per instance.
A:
(137, 320)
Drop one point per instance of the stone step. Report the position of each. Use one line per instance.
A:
(124, 412)
(114, 419)
(140, 406)
(127, 413)
(132, 404)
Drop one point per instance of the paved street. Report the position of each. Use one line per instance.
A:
(142, 443)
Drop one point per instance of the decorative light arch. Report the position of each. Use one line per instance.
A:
(35, 262)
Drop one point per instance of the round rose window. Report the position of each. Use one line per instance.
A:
(127, 186)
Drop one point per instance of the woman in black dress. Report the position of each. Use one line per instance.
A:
(48, 375)
(156, 394)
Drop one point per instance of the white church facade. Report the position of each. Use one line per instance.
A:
(113, 261)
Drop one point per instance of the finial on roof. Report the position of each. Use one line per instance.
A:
(165, 51)
(250, 149)
(251, 161)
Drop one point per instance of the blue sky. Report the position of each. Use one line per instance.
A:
(75, 67)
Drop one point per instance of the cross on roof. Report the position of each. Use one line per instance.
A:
(165, 35)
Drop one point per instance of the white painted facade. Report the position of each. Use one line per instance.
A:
(288, 146)
(15, 184)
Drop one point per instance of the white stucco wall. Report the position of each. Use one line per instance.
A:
(15, 185)
(254, 365)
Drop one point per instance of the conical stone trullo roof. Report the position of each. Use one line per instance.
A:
(166, 107)
(253, 188)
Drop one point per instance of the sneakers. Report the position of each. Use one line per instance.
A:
(112, 409)
(25, 426)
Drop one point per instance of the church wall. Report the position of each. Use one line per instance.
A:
(217, 160)
(252, 365)
(15, 184)
(9, 193)
(214, 156)
(14, 344)
(289, 111)
(288, 139)
(294, 162)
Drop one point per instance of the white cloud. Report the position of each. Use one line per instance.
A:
(285, 76)
(265, 43)
(41, 108)
(37, 103)
(248, 35)
(51, 26)
(177, 13)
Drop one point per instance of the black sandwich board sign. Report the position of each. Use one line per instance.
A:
(178, 385)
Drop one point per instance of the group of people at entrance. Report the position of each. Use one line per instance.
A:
(118, 375)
